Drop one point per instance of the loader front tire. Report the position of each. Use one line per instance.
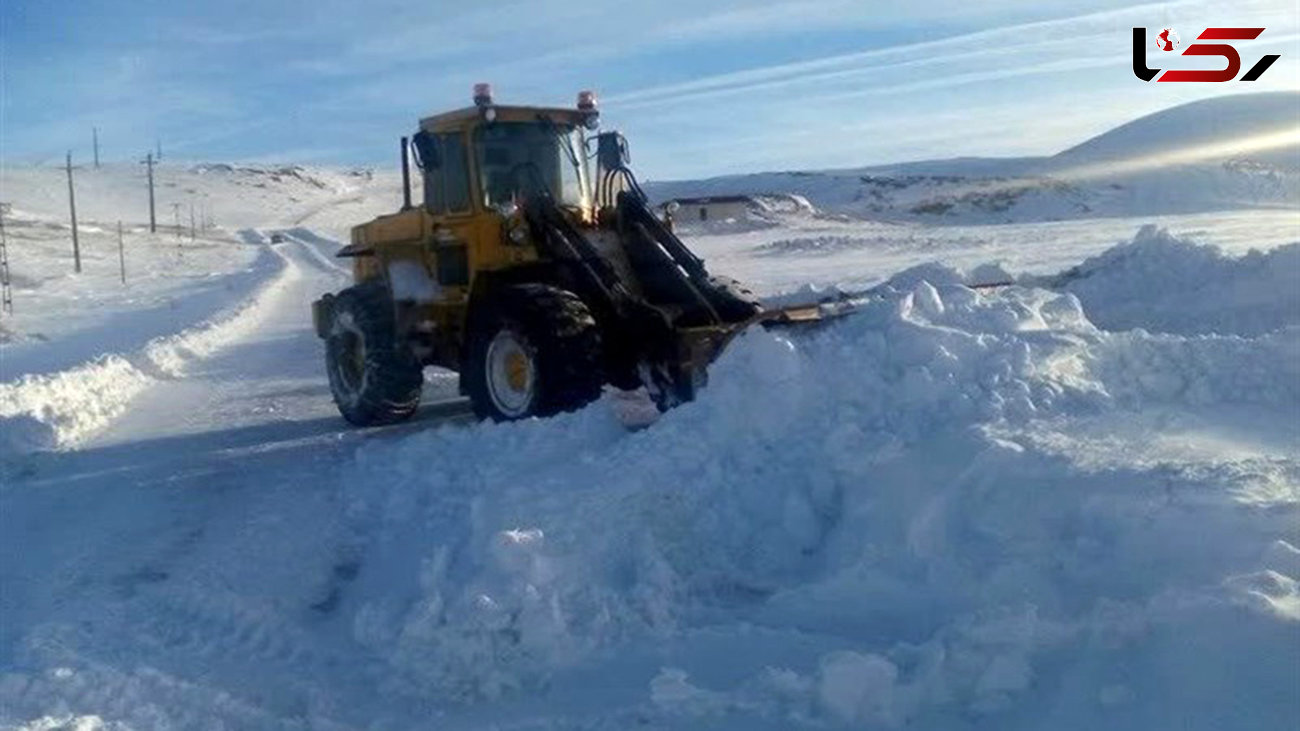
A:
(374, 378)
(534, 350)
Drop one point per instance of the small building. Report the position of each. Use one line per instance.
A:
(713, 208)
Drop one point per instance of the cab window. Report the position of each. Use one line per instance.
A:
(456, 172)
(443, 162)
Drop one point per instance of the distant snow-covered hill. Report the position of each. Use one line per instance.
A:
(233, 195)
(1225, 127)
(1230, 152)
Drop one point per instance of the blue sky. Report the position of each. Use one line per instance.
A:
(701, 87)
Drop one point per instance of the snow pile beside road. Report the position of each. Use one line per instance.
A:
(58, 410)
(1163, 283)
(873, 524)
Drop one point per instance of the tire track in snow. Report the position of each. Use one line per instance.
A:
(158, 556)
(64, 694)
(311, 241)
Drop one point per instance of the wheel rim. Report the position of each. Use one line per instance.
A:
(511, 375)
(350, 361)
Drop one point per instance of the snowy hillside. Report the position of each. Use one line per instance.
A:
(1222, 153)
(1211, 124)
(235, 196)
(1068, 502)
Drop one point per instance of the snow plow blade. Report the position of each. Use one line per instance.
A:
(698, 347)
(802, 315)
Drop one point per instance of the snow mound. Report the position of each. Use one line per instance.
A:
(1160, 282)
(59, 410)
(807, 294)
(863, 525)
(936, 273)
(45, 412)
(931, 273)
(787, 204)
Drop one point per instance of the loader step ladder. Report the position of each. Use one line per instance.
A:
(6, 292)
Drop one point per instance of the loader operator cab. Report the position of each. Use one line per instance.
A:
(499, 156)
(531, 158)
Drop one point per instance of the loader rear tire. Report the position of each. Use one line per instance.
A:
(374, 379)
(534, 350)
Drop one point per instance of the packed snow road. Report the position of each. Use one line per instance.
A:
(191, 537)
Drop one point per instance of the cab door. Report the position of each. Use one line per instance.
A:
(449, 200)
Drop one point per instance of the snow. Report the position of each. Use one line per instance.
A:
(899, 479)
(80, 347)
(1200, 124)
(1068, 502)
(59, 409)
(1159, 282)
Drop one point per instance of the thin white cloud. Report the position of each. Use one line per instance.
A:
(1004, 40)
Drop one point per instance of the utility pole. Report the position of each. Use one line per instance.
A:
(72, 206)
(6, 293)
(121, 253)
(191, 222)
(176, 215)
(153, 222)
(94, 132)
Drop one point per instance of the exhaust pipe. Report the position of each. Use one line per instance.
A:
(406, 175)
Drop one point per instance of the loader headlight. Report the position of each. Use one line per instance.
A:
(516, 231)
(490, 114)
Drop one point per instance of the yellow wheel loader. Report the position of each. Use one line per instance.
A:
(533, 267)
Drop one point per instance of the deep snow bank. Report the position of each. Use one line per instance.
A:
(59, 409)
(1164, 283)
(899, 519)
